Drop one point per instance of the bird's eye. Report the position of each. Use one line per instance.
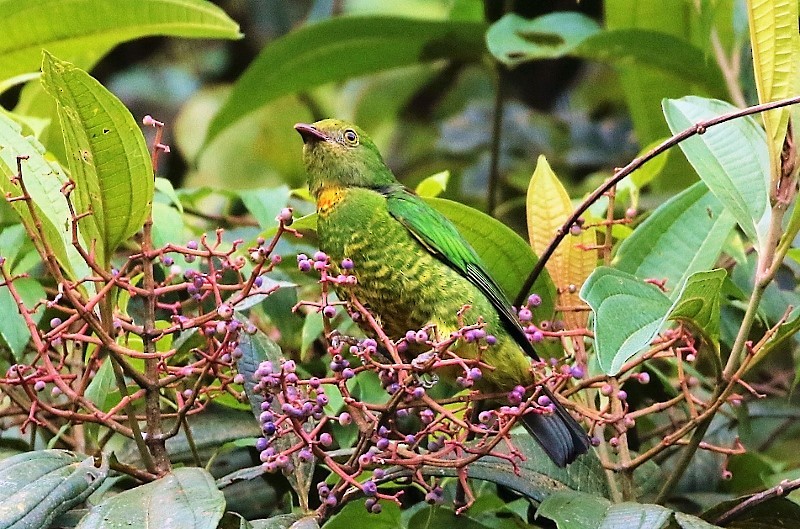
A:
(351, 137)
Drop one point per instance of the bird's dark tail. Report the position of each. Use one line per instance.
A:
(558, 433)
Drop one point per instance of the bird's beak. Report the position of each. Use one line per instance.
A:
(309, 132)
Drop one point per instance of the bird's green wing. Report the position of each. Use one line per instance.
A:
(441, 238)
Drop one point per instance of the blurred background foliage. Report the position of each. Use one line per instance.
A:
(585, 116)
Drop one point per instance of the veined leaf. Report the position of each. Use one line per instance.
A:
(682, 236)
(43, 180)
(621, 333)
(548, 207)
(184, 498)
(699, 303)
(38, 486)
(83, 31)
(774, 39)
(341, 48)
(730, 158)
(107, 155)
(578, 510)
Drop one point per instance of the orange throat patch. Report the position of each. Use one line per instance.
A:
(328, 199)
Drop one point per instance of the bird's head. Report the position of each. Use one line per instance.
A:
(339, 154)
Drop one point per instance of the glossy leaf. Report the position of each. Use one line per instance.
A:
(108, 158)
(83, 31)
(619, 332)
(13, 329)
(682, 236)
(577, 510)
(514, 40)
(507, 256)
(340, 48)
(731, 158)
(548, 206)
(186, 498)
(43, 180)
(38, 486)
(776, 53)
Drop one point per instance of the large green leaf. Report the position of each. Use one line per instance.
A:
(39, 486)
(83, 31)
(186, 498)
(682, 236)
(341, 48)
(43, 180)
(507, 256)
(577, 510)
(621, 333)
(108, 158)
(730, 158)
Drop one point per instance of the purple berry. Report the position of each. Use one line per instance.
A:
(55, 322)
(285, 216)
(192, 245)
(534, 300)
(304, 265)
(320, 256)
(345, 418)
(325, 439)
(347, 264)
(329, 311)
(525, 314)
(39, 385)
(225, 311)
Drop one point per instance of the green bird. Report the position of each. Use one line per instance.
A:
(414, 268)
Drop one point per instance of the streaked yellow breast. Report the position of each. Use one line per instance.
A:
(328, 199)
